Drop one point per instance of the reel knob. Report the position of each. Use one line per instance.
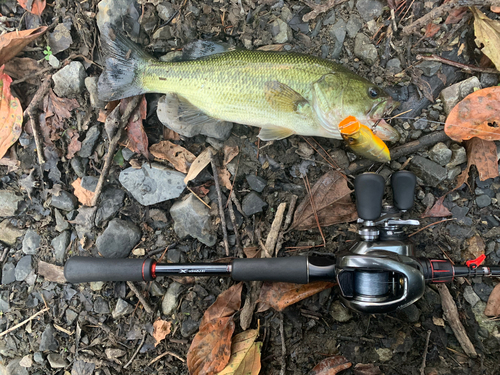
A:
(403, 189)
(369, 191)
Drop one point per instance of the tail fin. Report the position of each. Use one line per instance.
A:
(123, 68)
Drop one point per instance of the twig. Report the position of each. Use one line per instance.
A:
(465, 67)
(23, 322)
(232, 216)
(196, 195)
(317, 9)
(283, 346)
(114, 118)
(430, 225)
(451, 312)
(140, 297)
(272, 237)
(137, 350)
(221, 208)
(164, 354)
(422, 368)
(34, 75)
(4, 254)
(313, 206)
(288, 220)
(237, 204)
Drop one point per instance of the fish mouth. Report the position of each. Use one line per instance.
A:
(380, 127)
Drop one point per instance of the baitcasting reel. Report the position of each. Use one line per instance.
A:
(379, 274)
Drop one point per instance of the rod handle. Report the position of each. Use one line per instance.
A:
(288, 270)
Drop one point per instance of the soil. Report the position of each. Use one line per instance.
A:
(84, 329)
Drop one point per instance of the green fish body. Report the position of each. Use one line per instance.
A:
(282, 93)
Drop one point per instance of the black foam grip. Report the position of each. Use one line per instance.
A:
(369, 190)
(403, 189)
(288, 270)
(86, 269)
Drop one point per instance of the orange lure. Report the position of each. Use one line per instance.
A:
(362, 141)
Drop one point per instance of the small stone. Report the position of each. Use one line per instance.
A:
(152, 184)
(122, 308)
(64, 201)
(330, 18)
(111, 202)
(92, 88)
(453, 172)
(9, 203)
(69, 81)
(76, 164)
(4, 302)
(89, 142)
(174, 256)
(31, 242)
(23, 268)
(488, 79)
(338, 33)
(165, 11)
(60, 40)
(440, 153)
(458, 156)
(89, 183)
(61, 223)
(70, 316)
(118, 13)
(252, 204)
(369, 9)
(26, 361)
(157, 290)
(470, 296)
(483, 201)
(188, 327)
(429, 68)
(8, 273)
(354, 24)
(430, 172)
(9, 233)
(139, 252)
(13, 368)
(410, 314)
(384, 354)
(340, 313)
(170, 300)
(48, 341)
(281, 32)
(468, 86)
(101, 306)
(429, 200)
(483, 291)
(57, 360)
(163, 33)
(114, 353)
(340, 158)
(60, 244)
(364, 49)
(38, 357)
(421, 124)
(96, 286)
(192, 218)
(118, 239)
(256, 183)
(54, 62)
(394, 66)
(451, 95)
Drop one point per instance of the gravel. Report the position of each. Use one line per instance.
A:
(252, 204)
(59, 244)
(23, 268)
(64, 201)
(9, 203)
(69, 81)
(31, 242)
(118, 240)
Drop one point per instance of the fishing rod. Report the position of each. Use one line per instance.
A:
(378, 274)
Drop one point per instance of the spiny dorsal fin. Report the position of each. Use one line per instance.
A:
(203, 48)
(274, 133)
(282, 97)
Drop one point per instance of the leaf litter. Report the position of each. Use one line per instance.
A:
(11, 115)
(487, 33)
(161, 328)
(245, 354)
(136, 138)
(331, 366)
(177, 155)
(14, 42)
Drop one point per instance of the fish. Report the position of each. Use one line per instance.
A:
(362, 141)
(283, 93)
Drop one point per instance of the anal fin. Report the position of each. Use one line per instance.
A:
(274, 133)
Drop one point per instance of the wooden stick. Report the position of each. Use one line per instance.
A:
(232, 216)
(221, 208)
(283, 346)
(164, 354)
(140, 297)
(137, 350)
(424, 357)
(23, 322)
(465, 67)
(272, 237)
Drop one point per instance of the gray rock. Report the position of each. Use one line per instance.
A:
(256, 183)
(61, 223)
(119, 238)
(340, 313)
(48, 340)
(458, 156)
(394, 66)
(421, 124)
(468, 86)
(170, 115)
(70, 316)
(364, 49)
(470, 296)
(14, 368)
(157, 290)
(31, 242)
(483, 201)
(163, 33)
(122, 308)
(252, 204)
(4, 302)
(429, 68)
(89, 183)
(101, 306)
(60, 40)
(59, 244)
(338, 33)
(91, 85)
(483, 291)
(281, 32)
(440, 153)
(76, 164)
(9, 233)
(188, 327)
(192, 218)
(152, 184)
(453, 172)
(430, 172)
(174, 256)
(89, 142)
(369, 9)
(69, 81)
(488, 79)
(330, 18)
(170, 300)
(340, 158)
(54, 61)
(23, 268)
(451, 95)
(64, 201)
(410, 314)
(111, 202)
(118, 13)
(38, 358)
(56, 360)
(165, 11)
(8, 273)
(354, 24)
(9, 203)
(384, 354)
(127, 153)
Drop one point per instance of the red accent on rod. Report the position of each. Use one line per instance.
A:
(153, 270)
(474, 263)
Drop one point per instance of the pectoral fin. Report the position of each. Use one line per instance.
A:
(283, 98)
(274, 133)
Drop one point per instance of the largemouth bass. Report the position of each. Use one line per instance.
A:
(282, 93)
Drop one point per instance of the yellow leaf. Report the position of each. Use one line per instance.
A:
(199, 164)
(240, 350)
(251, 363)
(488, 33)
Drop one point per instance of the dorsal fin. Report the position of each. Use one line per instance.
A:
(203, 48)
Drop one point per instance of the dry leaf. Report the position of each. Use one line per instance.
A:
(423, 85)
(201, 161)
(241, 354)
(252, 252)
(170, 135)
(438, 321)
(74, 145)
(21, 67)
(493, 304)
(211, 347)
(33, 6)
(11, 115)
(272, 47)
(366, 369)
(431, 30)
(487, 33)
(14, 42)
(281, 295)
(475, 116)
(332, 201)
(161, 329)
(230, 153)
(136, 138)
(56, 109)
(84, 196)
(331, 366)
(224, 178)
(438, 210)
(180, 158)
(317, 9)
(495, 9)
(455, 15)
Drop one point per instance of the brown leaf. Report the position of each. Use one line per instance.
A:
(366, 369)
(331, 197)
(331, 366)
(230, 153)
(474, 247)
(455, 15)
(483, 154)
(170, 135)
(11, 115)
(476, 116)
(84, 196)
(33, 6)
(252, 252)
(20, 67)
(201, 161)
(493, 304)
(431, 30)
(180, 158)
(281, 295)
(74, 145)
(224, 178)
(272, 47)
(52, 122)
(487, 33)
(136, 138)
(161, 329)
(317, 9)
(438, 210)
(244, 358)
(211, 347)
(495, 9)
(14, 42)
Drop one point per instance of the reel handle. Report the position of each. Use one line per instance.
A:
(369, 191)
(403, 189)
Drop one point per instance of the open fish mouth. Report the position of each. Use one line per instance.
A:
(380, 127)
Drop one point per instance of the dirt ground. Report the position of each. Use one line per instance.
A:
(102, 328)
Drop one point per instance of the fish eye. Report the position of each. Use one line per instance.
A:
(373, 92)
(350, 140)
